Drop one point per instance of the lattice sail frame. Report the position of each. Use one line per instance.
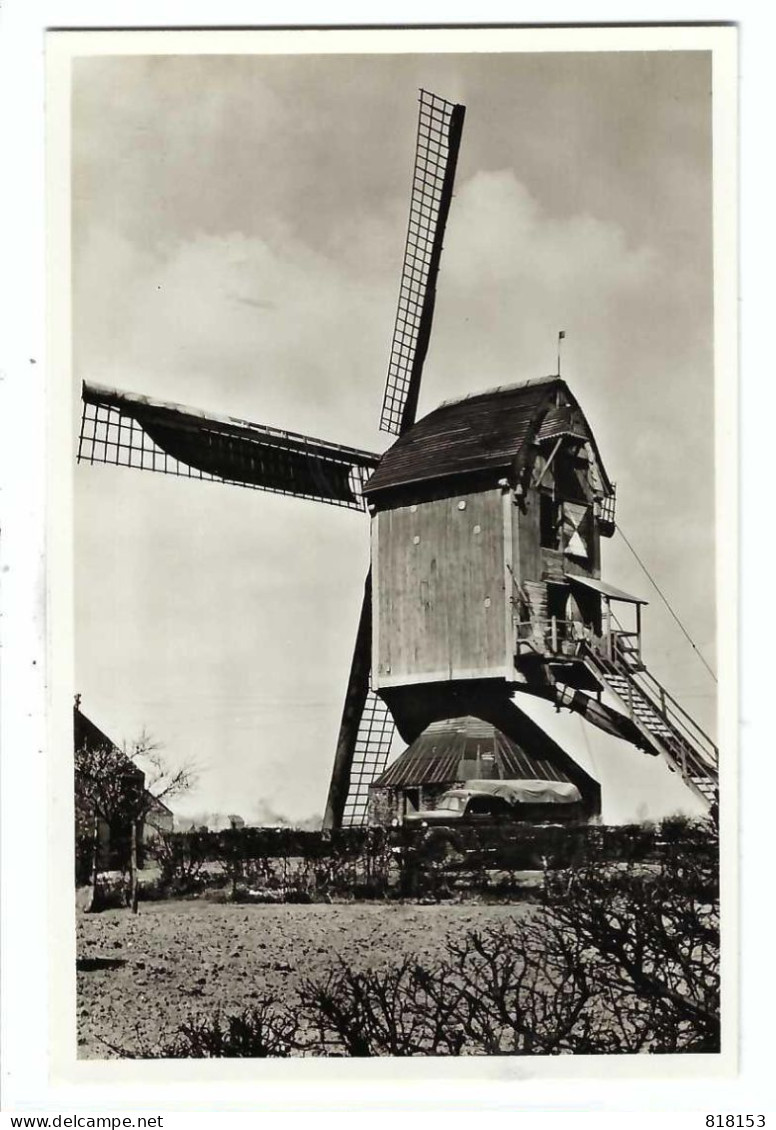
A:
(438, 139)
(373, 745)
(117, 428)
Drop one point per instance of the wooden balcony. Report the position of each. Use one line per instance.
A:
(567, 639)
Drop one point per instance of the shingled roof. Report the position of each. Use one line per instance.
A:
(486, 432)
(434, 757)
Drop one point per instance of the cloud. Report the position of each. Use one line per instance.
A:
(235, 325)
(519, 275)
(502, 234)
(256, 303)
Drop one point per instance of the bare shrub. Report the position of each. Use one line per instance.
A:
(182, 858)
(401, 1011)
(652, 936)
(522, 989)
(265, 1031)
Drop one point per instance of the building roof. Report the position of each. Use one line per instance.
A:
(87, 736)
(435, 757)
(486, 432)
(157, 806)
(604, 588)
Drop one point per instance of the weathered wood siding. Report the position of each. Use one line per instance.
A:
(440, 607)
(527, 548)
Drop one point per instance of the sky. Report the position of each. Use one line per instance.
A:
(238, 226)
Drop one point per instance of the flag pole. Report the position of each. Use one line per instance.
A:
(561, 336)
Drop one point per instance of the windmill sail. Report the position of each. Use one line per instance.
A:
(367, 727)
(133, 431)
(439, 136)
(365, 735)
(370, 756)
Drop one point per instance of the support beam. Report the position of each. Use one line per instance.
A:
(355, 700)
(546, 466)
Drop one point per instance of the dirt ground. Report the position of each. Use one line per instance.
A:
(140, 976)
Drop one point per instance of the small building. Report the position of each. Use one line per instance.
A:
(453, 750)
(224, 822)
(159, 820)
(114, 834)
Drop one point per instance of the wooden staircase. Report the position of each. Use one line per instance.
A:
(667, 728)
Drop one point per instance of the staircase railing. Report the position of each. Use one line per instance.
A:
(557, 637)
(619, 653)
(665, 706)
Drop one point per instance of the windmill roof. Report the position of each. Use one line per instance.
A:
(484, 432)
(435, 756)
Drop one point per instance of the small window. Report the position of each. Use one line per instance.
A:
(412, 800)
(450, 804)
(549, 521)
(577, 530)
(487, 806)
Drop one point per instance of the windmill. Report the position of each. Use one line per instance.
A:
(486, 519)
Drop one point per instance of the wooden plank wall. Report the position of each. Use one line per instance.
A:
(439, 590)
(526, 534)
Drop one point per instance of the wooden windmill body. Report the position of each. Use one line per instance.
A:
(486, 519)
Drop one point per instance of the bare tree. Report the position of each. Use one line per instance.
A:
(112, 785)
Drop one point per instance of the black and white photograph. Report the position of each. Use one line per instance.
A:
(398, 442)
